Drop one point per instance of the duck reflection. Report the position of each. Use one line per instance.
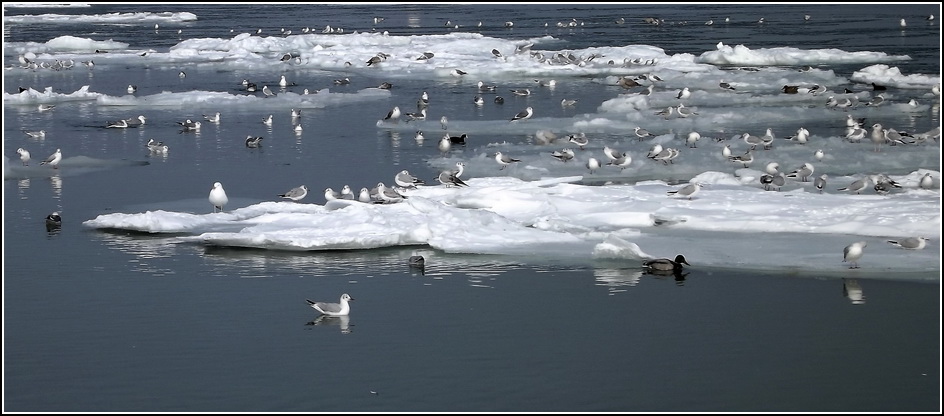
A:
(678, 274)
(852, 290)
(344, 322)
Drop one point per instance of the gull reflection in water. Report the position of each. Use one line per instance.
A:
(678, 274)
(852, 290)
(344, 322)
(56, 185)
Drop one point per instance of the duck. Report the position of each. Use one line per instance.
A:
(666, 264)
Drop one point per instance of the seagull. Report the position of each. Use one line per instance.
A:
(330, 195)
(333, 309)
(642, 133)
(684, 111)
(504, 160)
(666, 264)
(253, 141)
(296, 194)
(182, 75)
(283, 82)
(120, 124)
(388, 195)
(726, 152)
(458, 72)
(53, 159)
(627, 83)
(445, 144)
(444, 122)
(218, 197)
(45, 107)
(521, 92)
(36, 134)
(267, 120)
(449, 178)
(926, 181)
(24, 156)
(393, 115)
(666, 113)
(910, 243)
(746, 159)
(803, 172)
(579, 140)
(406, 180)
(852, 253)
(487, 88)
(497, 53)
(753, 141)
(593, 164)
(342, 81)
(856, 186)
(132, 89)
(684, 94)
(613, 154)
(499, 100)
(563, 155)
(523, 115)
(421, 115)
(820, 182)
(692, 139)
(478, 100)
(346, 193)
(622, 161)
(154, 145)
(725, 85)
(267, 91)
(567, 103)
(215, 118)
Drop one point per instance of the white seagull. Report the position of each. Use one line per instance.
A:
(504, 160)
(296, 194)
(218, 197)
(24, 156)
(910, 243)
(333, 309)
(53, 159)
(523, 115)
(852, 253)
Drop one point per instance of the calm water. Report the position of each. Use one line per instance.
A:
(116, 321)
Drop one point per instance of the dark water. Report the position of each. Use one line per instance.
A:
(116, 321)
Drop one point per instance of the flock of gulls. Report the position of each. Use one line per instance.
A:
(773, 178)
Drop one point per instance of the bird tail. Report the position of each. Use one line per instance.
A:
(310, 302)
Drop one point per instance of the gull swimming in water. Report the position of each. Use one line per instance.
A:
(910, 243)
(215, 118)
(218, 197)
(852, 253)
(296, 194)
(333, 309)
(36, 134)
(253, 141)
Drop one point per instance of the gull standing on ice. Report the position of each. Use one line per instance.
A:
(593, 164)
(333, 309)
(856, 186)
(296, 194)
(504, 160)
(53, 159)
(24, 156)
(218, 197)
(687, 191)
(820, 182)
(910, 243)
(393, 115)
(852, 253)
(523, 115)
